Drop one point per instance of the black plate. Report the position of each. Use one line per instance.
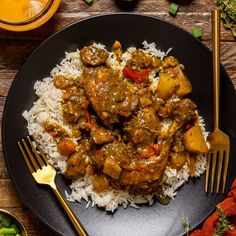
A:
(131, 30)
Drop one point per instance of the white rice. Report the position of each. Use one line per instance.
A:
(48, 107)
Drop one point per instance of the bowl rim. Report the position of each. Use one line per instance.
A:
(34, 24)
(18, 221)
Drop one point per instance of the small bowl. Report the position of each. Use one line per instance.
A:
(15, 220)
(26, 14)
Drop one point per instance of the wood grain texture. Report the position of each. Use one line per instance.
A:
(6, 78)
(15, 52)
(7, 189)
(143, 6)
(187, 21)
(15, 48)
(3, 170)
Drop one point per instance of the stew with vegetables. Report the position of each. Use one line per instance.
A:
(128, 128)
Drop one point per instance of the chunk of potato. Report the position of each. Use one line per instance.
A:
(111, 168)
(194, 141)
(166, 86)
(177, 160)
(100, 183)
(76, 165)
(101, 135)
(185, 86)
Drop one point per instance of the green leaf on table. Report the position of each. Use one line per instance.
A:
(88, 1)
(197, 32)
(228, 13)
(185, 223)
(173, 8)
(223, 224)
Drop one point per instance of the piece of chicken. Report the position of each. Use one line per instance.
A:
(183, 111)
(101, 135)
(108, 94)
(93, 56)
(148, 169)
(140, 59)
(78, 163)
(143, 128)
(117, 151)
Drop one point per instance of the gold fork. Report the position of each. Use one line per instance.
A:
(44, 173)
(219, 142)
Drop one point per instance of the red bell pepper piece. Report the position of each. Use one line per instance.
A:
(92, 126)
(137, 76)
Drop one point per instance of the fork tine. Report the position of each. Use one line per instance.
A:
(41, 151)
(41, 162)
(219, 169)
(213, 169)
(31, 157)
(25, 158)
(226, 163)
(209, 155)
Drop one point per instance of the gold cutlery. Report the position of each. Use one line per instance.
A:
(44, 173)
(219, 142)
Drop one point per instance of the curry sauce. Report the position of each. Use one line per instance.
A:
(119, 121)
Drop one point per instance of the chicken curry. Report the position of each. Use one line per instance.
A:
(119, 122)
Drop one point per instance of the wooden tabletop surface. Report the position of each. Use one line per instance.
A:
(15, 48)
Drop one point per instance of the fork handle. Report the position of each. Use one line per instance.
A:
(74, 220)
(216, 63)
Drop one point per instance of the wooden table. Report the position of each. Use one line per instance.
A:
(16, 47)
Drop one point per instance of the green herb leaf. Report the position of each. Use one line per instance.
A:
(228, 13)
(223, 224)
(185, 223)
(173, 8)
(228, 25)
(88, 1)
(197, 32)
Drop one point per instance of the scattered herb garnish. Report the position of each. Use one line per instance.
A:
(88, 1)
(228, 14)
(197, 32)
(185, 223)
(173, 8)
(223, 224)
